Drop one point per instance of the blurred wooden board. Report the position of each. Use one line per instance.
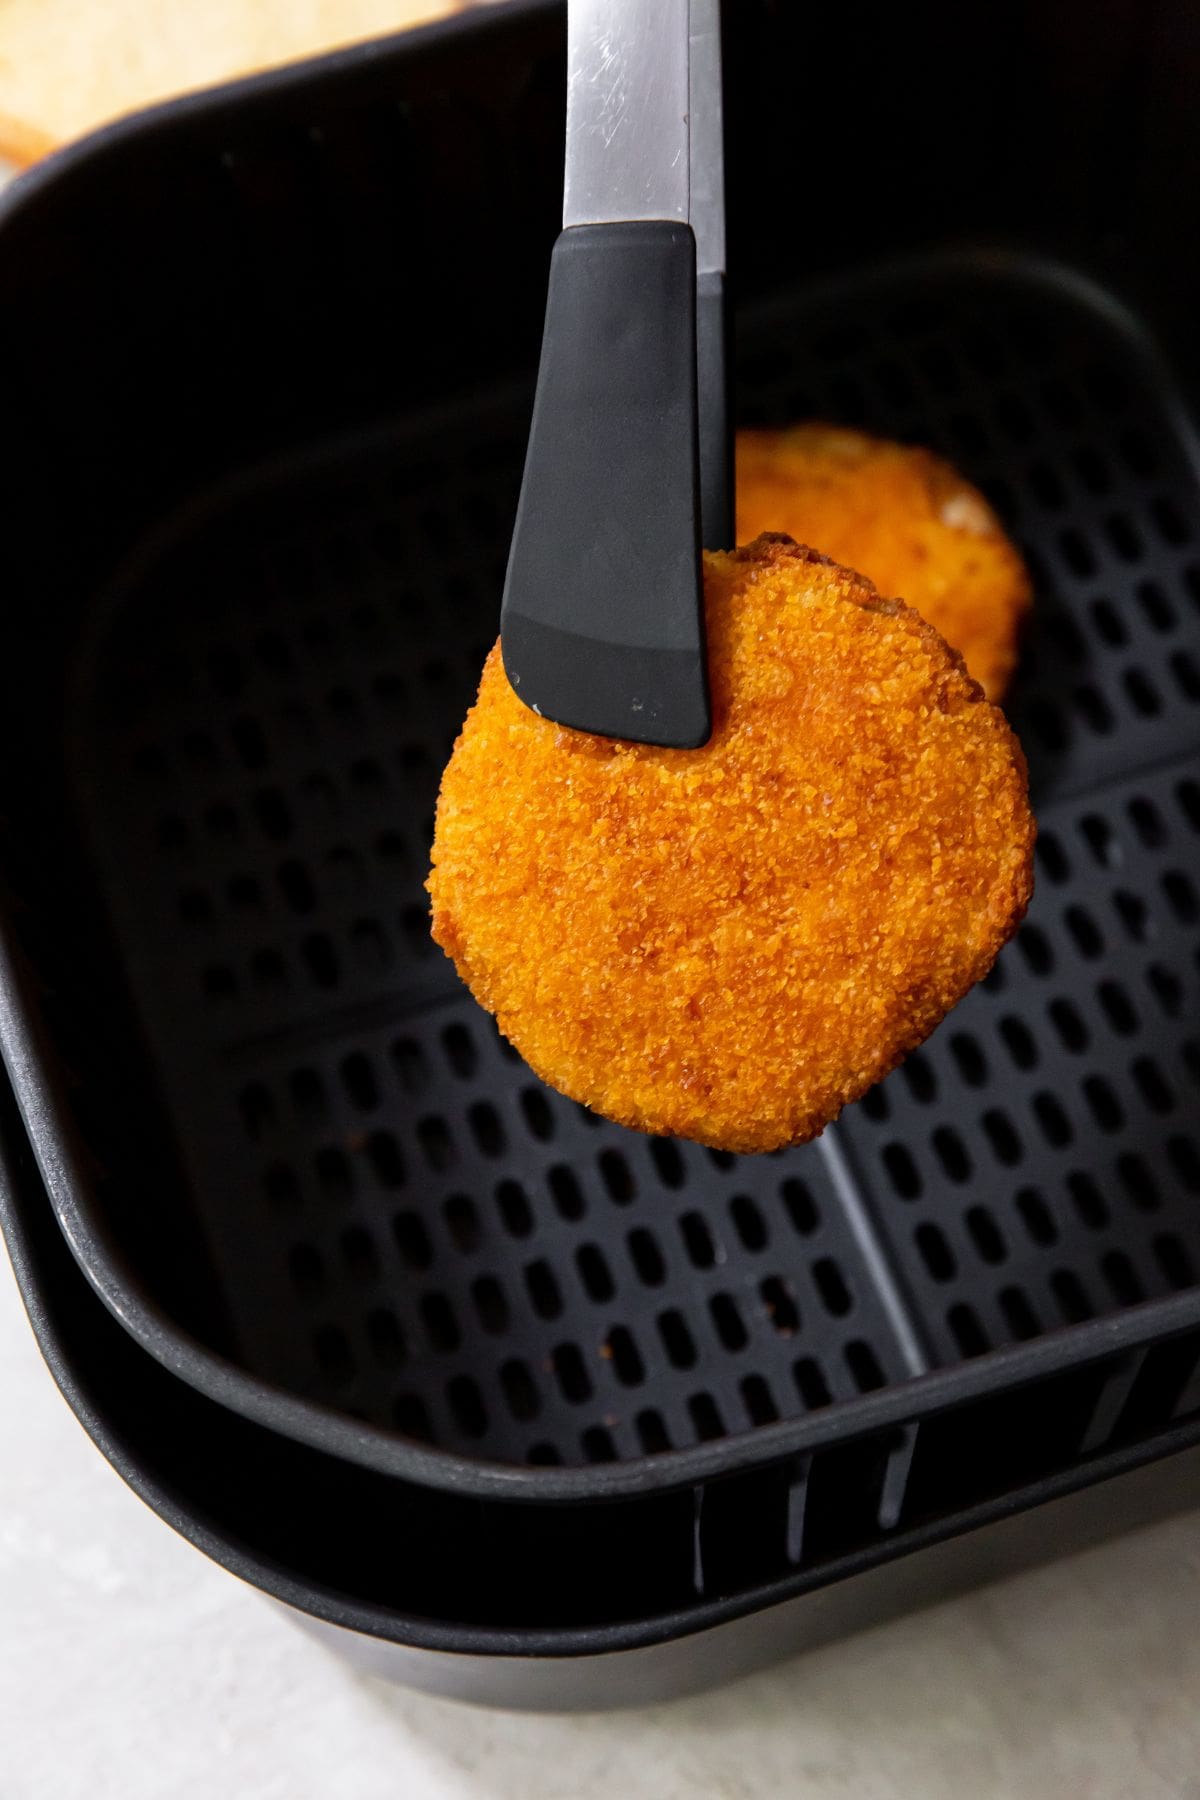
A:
(67, 66)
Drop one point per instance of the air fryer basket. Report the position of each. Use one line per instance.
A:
(290, 1152)
(407, 1225)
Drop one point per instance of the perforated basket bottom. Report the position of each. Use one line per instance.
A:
(408, 1225)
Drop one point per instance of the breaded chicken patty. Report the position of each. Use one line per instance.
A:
(730, 943)
(905, 519)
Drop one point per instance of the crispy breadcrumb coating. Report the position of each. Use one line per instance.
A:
(730, 943)
(903, 517)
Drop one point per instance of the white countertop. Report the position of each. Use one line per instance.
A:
(131, 1668)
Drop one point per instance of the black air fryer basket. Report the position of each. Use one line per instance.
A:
(522, 1404)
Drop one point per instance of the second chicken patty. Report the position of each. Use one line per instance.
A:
(902, 517)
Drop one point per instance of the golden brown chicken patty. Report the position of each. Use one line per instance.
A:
(732, 942)
(904, 518)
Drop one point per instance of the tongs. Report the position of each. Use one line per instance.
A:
(628, 467)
